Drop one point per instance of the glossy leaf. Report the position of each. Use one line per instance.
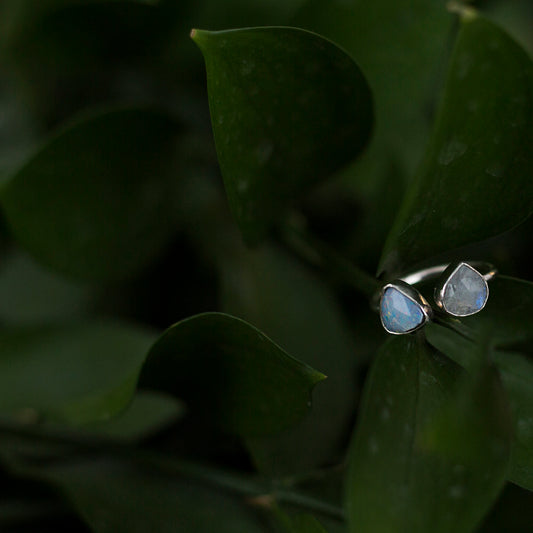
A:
(475, 181)
(115, 497)
(515, 17)
(288, 109)
(96, 200)
(506, 320)
(273, 291)
(384, 37)
(517, 377)
(32, 294)
(231, 374)
(512, 513)
(147, 413)
(300, 523)
(77, 374)
(428, 454)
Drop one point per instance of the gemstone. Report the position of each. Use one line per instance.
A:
(465, 292)
(400, 314)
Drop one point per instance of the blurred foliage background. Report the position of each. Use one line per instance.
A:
(104, 117)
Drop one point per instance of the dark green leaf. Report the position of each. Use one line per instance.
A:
(119, 498)
(517, 377)
(507, 316)
(288, 109)
(231, 374)
(385, 37)
(31, 294)
(428, 454)
(305, 523)
(17, 129)
(96, 200)
(148, 413)
(300, 523)
(273, 291)
(507, 319)
(77, 374)
(475, 181)
(218, 15)
(512, 513)
(515, 17)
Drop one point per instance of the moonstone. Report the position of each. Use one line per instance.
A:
(399, 313)
(465, 292)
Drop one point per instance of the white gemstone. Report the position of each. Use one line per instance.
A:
(465, 292)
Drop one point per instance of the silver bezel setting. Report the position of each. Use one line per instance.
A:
(412, 294)
(447, 275)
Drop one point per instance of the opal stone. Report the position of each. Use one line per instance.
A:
(465, 292)
(400, 314)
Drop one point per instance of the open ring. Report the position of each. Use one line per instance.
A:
(462, 290)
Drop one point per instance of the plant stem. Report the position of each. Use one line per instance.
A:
(252, 488)
(323, 256)
(307, 502)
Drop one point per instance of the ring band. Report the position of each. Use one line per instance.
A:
(462, 290)
(434, 271)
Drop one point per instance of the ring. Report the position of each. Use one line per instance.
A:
(402, 308)
(462, 290)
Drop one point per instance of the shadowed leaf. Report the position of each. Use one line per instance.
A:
(288, 109)
(96, 200)
(475, 180)
(431, 447)
(231, 374)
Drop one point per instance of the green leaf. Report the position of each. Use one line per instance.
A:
(288, 109)
(299, 523)
(304, 523)
(216, 15)
(231, 374)
(507, 322)
(517, 377)
(512, 513)
(123, 498)
(515, 17)
(76, 374)
(96, 200)
(506, 319)
(273, 291)
(32, 294)
(475, 180)
(385, 37)
(148, 413)
(430, 450)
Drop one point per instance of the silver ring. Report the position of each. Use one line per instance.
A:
(462, 290)
(402, 308)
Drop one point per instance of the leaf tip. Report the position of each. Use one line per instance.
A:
(318, 377)
(196, 35)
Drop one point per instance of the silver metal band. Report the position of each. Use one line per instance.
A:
(487, 270)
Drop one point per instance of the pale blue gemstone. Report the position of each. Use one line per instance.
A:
(399, 313)
(466, 292)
